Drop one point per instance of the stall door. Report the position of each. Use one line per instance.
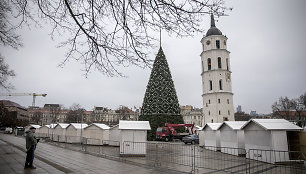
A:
(133, 142)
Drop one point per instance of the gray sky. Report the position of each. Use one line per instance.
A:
(266, 39)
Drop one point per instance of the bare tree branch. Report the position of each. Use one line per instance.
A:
(104, 35)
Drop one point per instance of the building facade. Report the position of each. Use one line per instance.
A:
(50, 113)
(192, 115)
(16, 111)
(112, 117)
(216, 77)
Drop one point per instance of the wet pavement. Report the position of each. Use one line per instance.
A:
(52, 159)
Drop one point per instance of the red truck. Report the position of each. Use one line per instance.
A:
(169, 133)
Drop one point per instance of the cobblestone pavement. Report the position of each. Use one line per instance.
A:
(52, 159)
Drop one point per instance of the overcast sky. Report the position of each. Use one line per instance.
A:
(268, 59)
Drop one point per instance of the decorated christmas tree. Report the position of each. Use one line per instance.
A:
(160, 103)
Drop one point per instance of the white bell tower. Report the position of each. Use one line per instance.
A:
(216, 77)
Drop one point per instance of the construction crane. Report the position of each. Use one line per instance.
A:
(25, 94)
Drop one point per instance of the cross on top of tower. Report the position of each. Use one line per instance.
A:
(213, 29)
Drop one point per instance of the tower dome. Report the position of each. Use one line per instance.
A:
(213, 29)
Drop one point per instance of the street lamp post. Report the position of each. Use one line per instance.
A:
(82, 129)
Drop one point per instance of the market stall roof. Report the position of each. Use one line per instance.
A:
(99, 125)
(134, 125)
(62, 125)
(213, 126)
(273, 124)
(78, 125)
(235, 125)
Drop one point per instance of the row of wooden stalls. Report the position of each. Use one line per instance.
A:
(268, 140)
(131, 136)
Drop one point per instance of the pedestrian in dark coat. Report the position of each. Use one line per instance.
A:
(31, 143)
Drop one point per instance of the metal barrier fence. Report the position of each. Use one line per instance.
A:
(214, 159)
(226, 159)
(105, 148)
(272, 161)
(191, 158)
(176, 155)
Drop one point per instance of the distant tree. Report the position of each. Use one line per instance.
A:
(37, 116)
(5, 74)
(8, 37)
(124, 113)
(106, 34)
(160, 104)
(282, 107)
(303, 99)
(299, 106)
(242, 116)
(54, 113)
(5, 118)
(22, 123)
(74, 114)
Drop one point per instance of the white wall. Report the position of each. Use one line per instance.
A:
(106, 135)
(212, 139)
(133, 142)
(93, 134)
(73, 135)
(232, 141)
(280, 143)
(58, 134)
(228, 140)
(260, 144)
(256, 137)
(43, 131)
(241, 143)
(114, 136)
(201, 138)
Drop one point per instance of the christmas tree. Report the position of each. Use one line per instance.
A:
(160, 103)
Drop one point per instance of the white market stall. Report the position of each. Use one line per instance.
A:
(51, 128)
(212, 136)
(96, 134)
(266, 139)
(114, 136)
(232, 137)
(59, 132)
(74, 132)
(201, 138)
(32, 125)
(43, 131)
(133, 137)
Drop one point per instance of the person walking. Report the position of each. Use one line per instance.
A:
(31, 143)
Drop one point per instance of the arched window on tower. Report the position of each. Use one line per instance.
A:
(219, 63)
(218, 44)
(227, 64)
(210, 85)
(220, 84)
(209, 63)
